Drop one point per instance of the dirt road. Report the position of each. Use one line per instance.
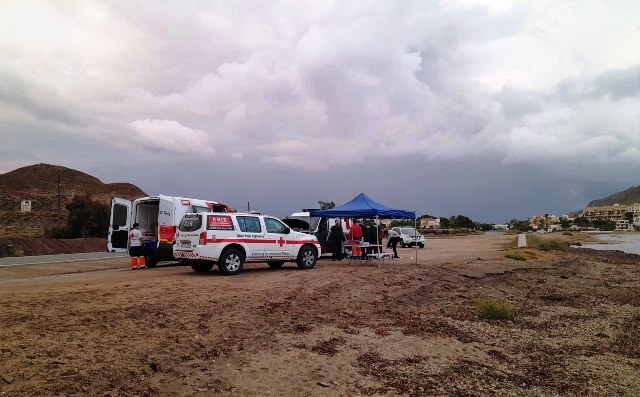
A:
(100, 329)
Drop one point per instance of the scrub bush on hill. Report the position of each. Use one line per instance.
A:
(87, 218)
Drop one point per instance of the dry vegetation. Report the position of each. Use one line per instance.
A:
(338, 330)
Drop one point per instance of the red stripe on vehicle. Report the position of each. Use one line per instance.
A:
(241, 240)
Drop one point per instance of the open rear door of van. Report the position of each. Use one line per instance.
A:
(119, 225)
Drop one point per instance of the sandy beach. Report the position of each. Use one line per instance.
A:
(99, 329)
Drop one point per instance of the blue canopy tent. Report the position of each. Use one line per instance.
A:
(363, 206)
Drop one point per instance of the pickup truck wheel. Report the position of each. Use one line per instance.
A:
(420, 245)
(230, 262)
(276, 265)
(201, 267)
(307, 258)
(403, 245)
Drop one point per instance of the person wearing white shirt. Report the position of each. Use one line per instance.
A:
(135, 248)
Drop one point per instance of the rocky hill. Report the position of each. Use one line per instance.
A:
(626, 197)
(39, 183)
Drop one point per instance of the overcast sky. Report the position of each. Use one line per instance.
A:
(492, 109)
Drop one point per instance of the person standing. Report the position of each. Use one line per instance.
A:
(355, 233)
(336, 237)
(394, 237)
(135, 248)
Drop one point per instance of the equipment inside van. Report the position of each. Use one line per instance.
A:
(157, 218)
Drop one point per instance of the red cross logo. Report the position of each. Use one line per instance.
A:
(281, 241)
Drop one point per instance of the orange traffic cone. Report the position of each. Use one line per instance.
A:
(134, 263)
(143, 262)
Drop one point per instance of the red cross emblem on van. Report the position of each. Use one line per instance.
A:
(281, 241)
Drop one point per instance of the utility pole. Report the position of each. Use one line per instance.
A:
(248, 207)
(58, 223)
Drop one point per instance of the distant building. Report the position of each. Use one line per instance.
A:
(611, 213)
(636, 219)
(634, 209)
(430, 223)
(543, 221)
(386, 222)
(500, 227)
(25, 206)
(624, 226)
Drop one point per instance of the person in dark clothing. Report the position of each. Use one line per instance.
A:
(373, 238)
(336, 237)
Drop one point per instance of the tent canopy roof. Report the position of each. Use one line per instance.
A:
(364, 207)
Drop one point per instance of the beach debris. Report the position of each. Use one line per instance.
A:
(8, 379)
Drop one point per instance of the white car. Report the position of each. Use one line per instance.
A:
(231, 239)
(409, 237)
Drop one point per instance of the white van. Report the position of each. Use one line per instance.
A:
(157, 217)
(231, 239)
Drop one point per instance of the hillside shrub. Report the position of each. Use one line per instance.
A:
(515, 256)
(86, 218)
(493, 309)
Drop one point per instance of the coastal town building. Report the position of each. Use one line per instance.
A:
(624, 226)
(543, 221)
(430, 223)
(612, 213)
(634, 209)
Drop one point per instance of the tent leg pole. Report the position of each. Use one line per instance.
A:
(415, 227)
(378, 247)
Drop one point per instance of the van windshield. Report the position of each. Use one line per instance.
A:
(190, 223)
(409, 231)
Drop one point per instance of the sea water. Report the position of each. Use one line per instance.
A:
(627, 242)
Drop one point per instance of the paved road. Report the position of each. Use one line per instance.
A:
(39, 260)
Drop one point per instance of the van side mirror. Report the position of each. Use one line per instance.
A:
(287, 230)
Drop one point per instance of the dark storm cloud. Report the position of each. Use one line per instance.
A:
(466, 103)
(14, 93)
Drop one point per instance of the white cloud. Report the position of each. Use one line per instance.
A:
(170, 136)
(316, 84)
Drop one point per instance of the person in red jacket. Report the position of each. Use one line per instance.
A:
(355, 233)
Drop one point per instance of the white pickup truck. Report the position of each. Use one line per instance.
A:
(231, 239)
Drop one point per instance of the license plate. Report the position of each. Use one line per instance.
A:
(185, 243)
